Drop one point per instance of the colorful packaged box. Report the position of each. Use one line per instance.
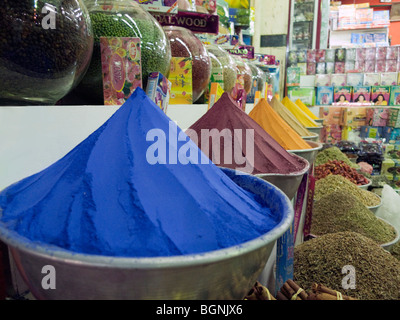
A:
(331, 115)
(361, 54)
(389, 78)
(371, 132)
(361, 94)
(330, 67)
(391, 66)
(395, 96)
(395, 136)
(391, 167)
(303, 68)
(394, 117)
(122, 68)
(369, 66)
(369, 38)
(342, 94)
(321, 68)
(340, 55)
(351, 54)
(338, 80)
(302, 56)
(354, 116)
(292, 58)
(372, 79)
(293, 76)
(159, 90)
(306, 95)
(377, 116)
(320, 55)
(380, 66)
(311, 56)
(350, 66)
(392, 53)
(182, 80)
(324, 96)
(355, 79)
(170, 7)
(381, 53)
(380, 95)
(359, 66)
(380, 38)
(370, 53)
(322, 80)
(311, 68)
(331, 134)
(216, 92)
(330, 55)
(357, 38)
(340, 67)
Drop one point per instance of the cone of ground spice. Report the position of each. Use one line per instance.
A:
(307, 111)
(272, 122)
(301, 116)
(340, 211)
(330, 259)
(224, 125)
(290, 119)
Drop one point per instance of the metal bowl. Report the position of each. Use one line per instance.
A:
(374, 209)
(365, 186)
(314, 137)
(319, 121)
(388, 246)
(309, 154)
(316, 130)
(288, 183)
(222, 274)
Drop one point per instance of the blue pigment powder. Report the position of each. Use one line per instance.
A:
(105, 198)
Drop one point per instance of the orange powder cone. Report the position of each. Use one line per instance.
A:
(271, 122)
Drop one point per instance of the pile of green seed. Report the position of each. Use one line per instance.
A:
(155, 48)
(341, 211)
(332, 183)
(333, 153)
(322, 260)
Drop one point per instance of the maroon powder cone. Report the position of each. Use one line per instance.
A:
(262, 153)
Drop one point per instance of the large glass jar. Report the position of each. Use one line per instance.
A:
(185, 44)
(229, 68)
(259, 78)
(245, 75)
(124, 18)
(45, 49)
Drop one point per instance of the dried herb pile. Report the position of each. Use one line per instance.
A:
(332, 183)
(322, 259)
(341, 211)
(333, 153)
(338, 167)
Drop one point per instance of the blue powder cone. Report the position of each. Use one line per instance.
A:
(127, 191)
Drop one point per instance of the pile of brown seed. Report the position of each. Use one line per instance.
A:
(321, 260)
(341, 211)
(332, 183)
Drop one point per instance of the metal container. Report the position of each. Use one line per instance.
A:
(309, 154)
(288, 183)
(314, 137)
(222, 274)
(319, 121)
(374, 209)
(365, 186)
(388, 246)
(316, 130)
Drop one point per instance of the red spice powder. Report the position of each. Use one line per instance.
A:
(269, 156)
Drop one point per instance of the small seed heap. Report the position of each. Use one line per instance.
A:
(341, 211)
(333, 153)
(322, 260)
(333, 183)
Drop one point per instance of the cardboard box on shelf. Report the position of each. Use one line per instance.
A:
(331, 115)
(354, 117)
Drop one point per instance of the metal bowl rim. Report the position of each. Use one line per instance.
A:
(318, 146)
(16, 241)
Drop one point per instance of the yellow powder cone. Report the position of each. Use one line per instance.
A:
(307, 111)
(303, 118)
(277, 128)
(289, 118)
